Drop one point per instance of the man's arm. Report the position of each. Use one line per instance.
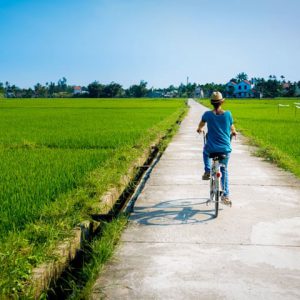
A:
(200, 127)
(233, 130)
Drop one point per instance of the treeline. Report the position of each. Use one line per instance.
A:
(62, 89)
(49, 90)
(267, 88)
(274, 87)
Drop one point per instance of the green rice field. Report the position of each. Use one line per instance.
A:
(275, 129)
(57, 157)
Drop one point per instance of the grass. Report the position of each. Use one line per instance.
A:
(101, 251)
(276, 133)
(78, 281)
(57, 158)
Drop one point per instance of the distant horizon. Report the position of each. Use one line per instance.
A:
(161, 41)
(148, 86)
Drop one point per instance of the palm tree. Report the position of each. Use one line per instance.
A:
(47, 89)
(242, 76)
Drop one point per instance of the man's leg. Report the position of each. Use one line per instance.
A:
(224, 178)
(206, 161)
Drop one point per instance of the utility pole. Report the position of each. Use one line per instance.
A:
(187, 80)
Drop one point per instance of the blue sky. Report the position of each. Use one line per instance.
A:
(160, 41)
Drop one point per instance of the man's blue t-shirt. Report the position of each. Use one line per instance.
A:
(219, 128)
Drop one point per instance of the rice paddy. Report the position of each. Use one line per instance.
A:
(57, 157)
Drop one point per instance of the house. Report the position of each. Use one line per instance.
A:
(285, 88)
(286, 85)
(171, 94)
(77, 90)
(155, 94)
(198, 92)
(10, 94)
(242, 89)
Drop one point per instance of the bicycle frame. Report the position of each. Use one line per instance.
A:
(216, 187)
(215, 178)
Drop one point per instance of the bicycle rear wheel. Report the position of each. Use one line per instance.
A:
(211, 189)
(217, 198)
(215, 193)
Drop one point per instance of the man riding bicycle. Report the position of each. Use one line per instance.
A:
(220, 128)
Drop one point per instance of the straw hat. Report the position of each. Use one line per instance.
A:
(216, 97)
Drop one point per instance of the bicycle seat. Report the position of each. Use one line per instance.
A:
(217, 156)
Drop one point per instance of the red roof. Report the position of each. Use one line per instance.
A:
(286, 85)
(77, 88)
(247, 81)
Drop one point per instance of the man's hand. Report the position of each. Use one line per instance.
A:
(199, 130)
(234, 133)
(200, 127)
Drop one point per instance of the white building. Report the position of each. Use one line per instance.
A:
(198, 92)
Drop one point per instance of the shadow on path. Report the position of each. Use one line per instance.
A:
(174, 212)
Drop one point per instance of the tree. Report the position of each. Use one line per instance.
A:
(272, 87)
(47, 89)
(137, 91)
(289, 89)
(182, 90)
(1, 90)
(269, 88)
(62, 85)
(6, 89)
(208, 88)
(51, 89)
(233, 80)
(171, 88)
(39, 90)
(113, 90)
(95, 89)
(241, 76)
(27, 93)
(190, 89)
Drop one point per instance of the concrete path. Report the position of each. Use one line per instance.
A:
(173, 248)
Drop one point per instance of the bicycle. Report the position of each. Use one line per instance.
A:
(216, 190)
